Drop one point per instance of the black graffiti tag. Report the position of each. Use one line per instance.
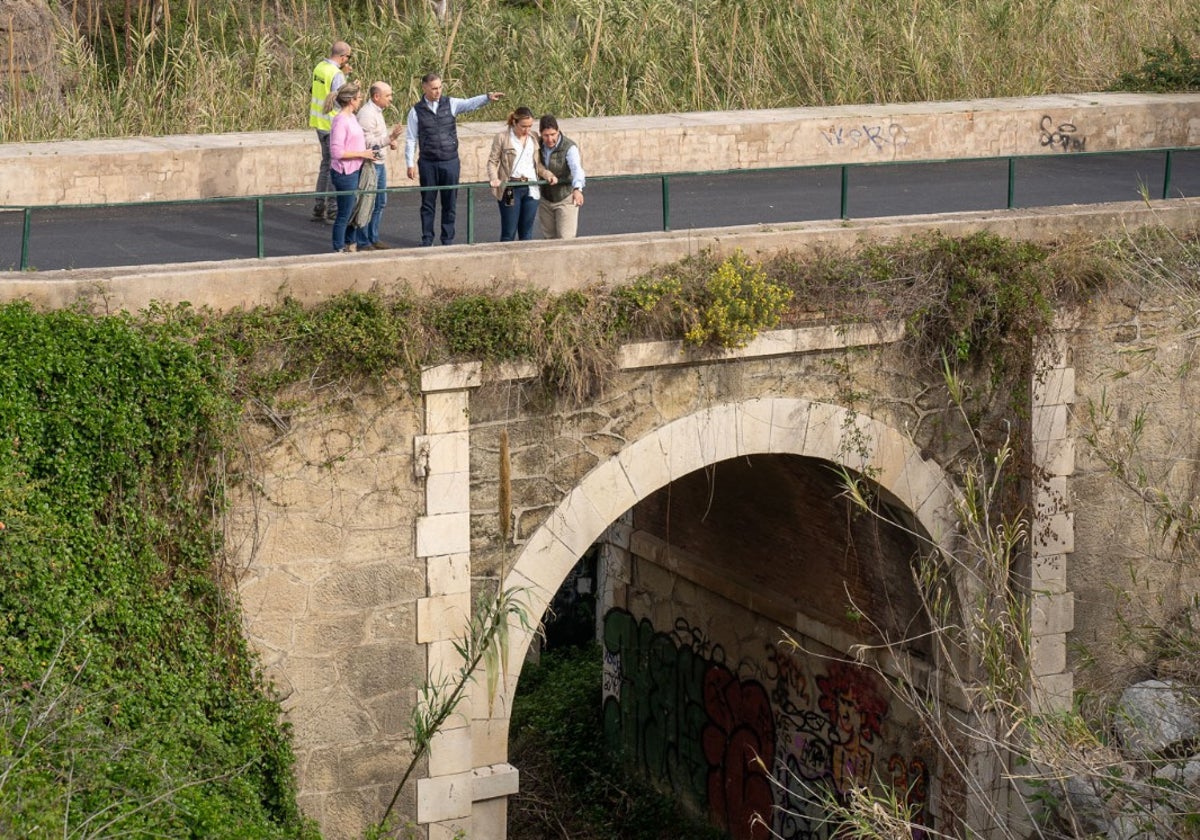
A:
(1063, 136)
(879, 136)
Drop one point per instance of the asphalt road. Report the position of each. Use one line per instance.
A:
(174, 233)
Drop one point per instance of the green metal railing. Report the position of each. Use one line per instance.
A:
(665, 179)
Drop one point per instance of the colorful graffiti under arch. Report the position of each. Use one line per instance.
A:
(757, 747)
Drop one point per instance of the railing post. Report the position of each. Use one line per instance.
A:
(258, 226)
(666, 201)
(1167, 174)
(25, 225)
(470, 215)
(1012, 181)
(845, 197)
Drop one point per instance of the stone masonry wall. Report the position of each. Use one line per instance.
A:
(1137, 385)
(205, 166)
(321, 535)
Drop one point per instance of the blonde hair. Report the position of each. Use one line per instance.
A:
(342, 97)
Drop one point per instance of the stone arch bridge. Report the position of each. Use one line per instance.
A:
(708, 485)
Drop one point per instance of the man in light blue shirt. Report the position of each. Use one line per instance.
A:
(433, 128)
(558, 212)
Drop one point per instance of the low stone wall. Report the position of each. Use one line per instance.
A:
(554, 264)
(264, 163)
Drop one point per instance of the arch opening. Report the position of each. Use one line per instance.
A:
(824, 575)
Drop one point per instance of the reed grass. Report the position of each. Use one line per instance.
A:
(220, 65)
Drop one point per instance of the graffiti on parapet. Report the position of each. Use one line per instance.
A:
(1064, 136)
(880, 137)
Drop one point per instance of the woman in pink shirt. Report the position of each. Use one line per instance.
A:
(347, 151)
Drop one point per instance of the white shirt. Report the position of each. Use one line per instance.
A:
(523, 166)
(375, 130)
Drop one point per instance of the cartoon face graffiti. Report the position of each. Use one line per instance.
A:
(855, 706)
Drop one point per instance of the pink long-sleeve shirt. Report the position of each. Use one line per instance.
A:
(346, 135)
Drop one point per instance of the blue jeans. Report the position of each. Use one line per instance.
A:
(347, 187)
(438, 173)
(370, 234)
(516, 222)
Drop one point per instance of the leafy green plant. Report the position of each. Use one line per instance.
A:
(736, 303)
(1175, 67)
(487, 327)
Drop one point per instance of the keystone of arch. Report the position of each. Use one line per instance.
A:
(770, 425)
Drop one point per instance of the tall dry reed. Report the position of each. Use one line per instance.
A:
(221, 65)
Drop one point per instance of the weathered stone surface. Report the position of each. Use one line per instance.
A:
(1154, 715)
(365, 586)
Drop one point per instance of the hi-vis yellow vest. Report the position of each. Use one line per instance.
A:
(322, 83)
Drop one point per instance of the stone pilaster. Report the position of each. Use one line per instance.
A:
(456, 796)
(1051, 613)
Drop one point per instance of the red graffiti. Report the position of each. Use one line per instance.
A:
(854, 705)
(739, 746)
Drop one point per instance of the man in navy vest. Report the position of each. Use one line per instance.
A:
(433, 127)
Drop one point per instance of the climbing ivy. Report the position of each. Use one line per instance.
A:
(128, 701)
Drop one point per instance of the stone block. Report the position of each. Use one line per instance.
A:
(682, 440)
(495, 780)
(443, 664)
(1054, 535)
(443, 533)
(1050, 496)
(489, 736)
(717, 428)
(1054, 613)
(1053, 693)
(449, 453)
(275, 593)
(330, 717)
(349, 588)
(329, 634)
(936, 513)
(608, 490)
(448, 574)
(754, 426)
(374, 670)
(1049, 574)
(455, 376)
(646, 464)
(1055, 387)
(448, 493)
(1049, 422)
(444, 798)
(450, 751)
(576, 524)
(453, 830)
(541, 566)
(1051, 352)
(1056, 457)
(889, 456)
(447, 411)
(789, 425)
(1048, 654)
(441, 617)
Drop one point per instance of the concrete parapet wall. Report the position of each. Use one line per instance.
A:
(552, 264)
(263, 163)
